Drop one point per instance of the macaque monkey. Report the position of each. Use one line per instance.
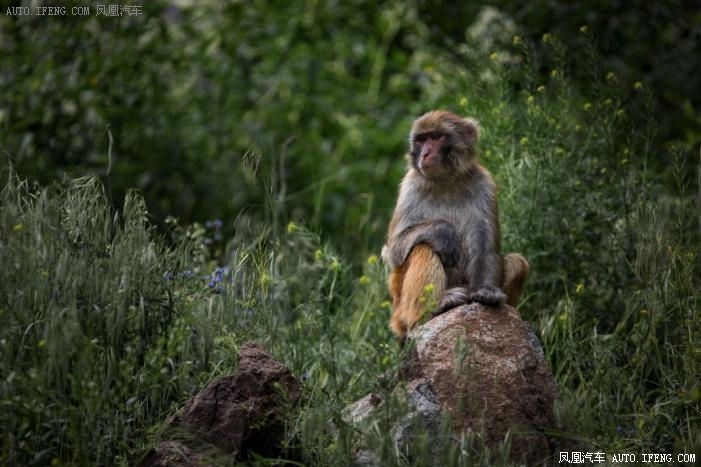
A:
(443, 240)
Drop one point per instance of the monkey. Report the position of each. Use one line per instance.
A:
(443, 241)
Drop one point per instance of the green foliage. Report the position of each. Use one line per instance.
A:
(94, 345)
(266, 115)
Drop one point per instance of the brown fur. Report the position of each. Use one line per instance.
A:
(421, 269)
(445, 227)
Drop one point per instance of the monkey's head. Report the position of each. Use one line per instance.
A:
(442, 145)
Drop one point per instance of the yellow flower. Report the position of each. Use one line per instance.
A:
(463, 102)
(292, 227)
(579, 289)
(584, 29)
(547, 37)
(524, 141)
(587, 106)
(318, 255)
(541, 88)
(610, 76)
(372, 259)
(638, 86)
(494, 56)
(364, 280)
(530, 99)
(554, 73)
(17, 227)
(386, 304)
(517, 40)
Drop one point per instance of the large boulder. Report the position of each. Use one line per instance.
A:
(483, 368)
(233, 416)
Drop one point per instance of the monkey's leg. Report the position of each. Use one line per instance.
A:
(416, 287)
(516, 270)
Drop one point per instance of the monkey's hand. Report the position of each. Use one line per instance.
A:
(457, 296)
(488, 295)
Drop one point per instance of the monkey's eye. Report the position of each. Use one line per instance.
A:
(432, 135)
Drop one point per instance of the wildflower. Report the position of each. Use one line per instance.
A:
(463, 102)
(530, 99)
(335, 265)
(610, 76)
(187, 274)
(318, 255)
(41, 344)
(620, 113)
(17, 227)
(579, 289)
(372, 259)
(587, 106)
(584, 29)
(494, 56)
(292, 227)
(386, 304)
(608, 102)
(517, 40)
(524, 141)
(555, 73)
(638, 86)
(364, 280)
(541, 88)
(547, 37)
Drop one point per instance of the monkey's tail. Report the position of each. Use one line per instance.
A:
(516, 270)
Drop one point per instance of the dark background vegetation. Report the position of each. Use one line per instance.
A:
(288, 122)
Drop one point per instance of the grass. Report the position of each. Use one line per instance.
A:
(107, 327)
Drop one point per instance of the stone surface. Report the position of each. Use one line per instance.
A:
(489, 372)
(486, 370)
(234, 415)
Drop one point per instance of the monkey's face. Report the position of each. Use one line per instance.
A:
(428, 152)
(442, 145)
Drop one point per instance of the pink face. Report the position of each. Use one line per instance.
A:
(426, 151)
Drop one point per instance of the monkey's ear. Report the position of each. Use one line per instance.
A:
(473, 127)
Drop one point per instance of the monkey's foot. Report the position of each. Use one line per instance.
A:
(488, 296)
(452, 298)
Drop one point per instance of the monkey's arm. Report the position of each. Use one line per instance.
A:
(440, 235)
(485, 266)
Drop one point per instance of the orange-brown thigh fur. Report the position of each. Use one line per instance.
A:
(408, 286)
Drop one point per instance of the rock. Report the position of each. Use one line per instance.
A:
(486, 370)
(234, 415)
(170, 454)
